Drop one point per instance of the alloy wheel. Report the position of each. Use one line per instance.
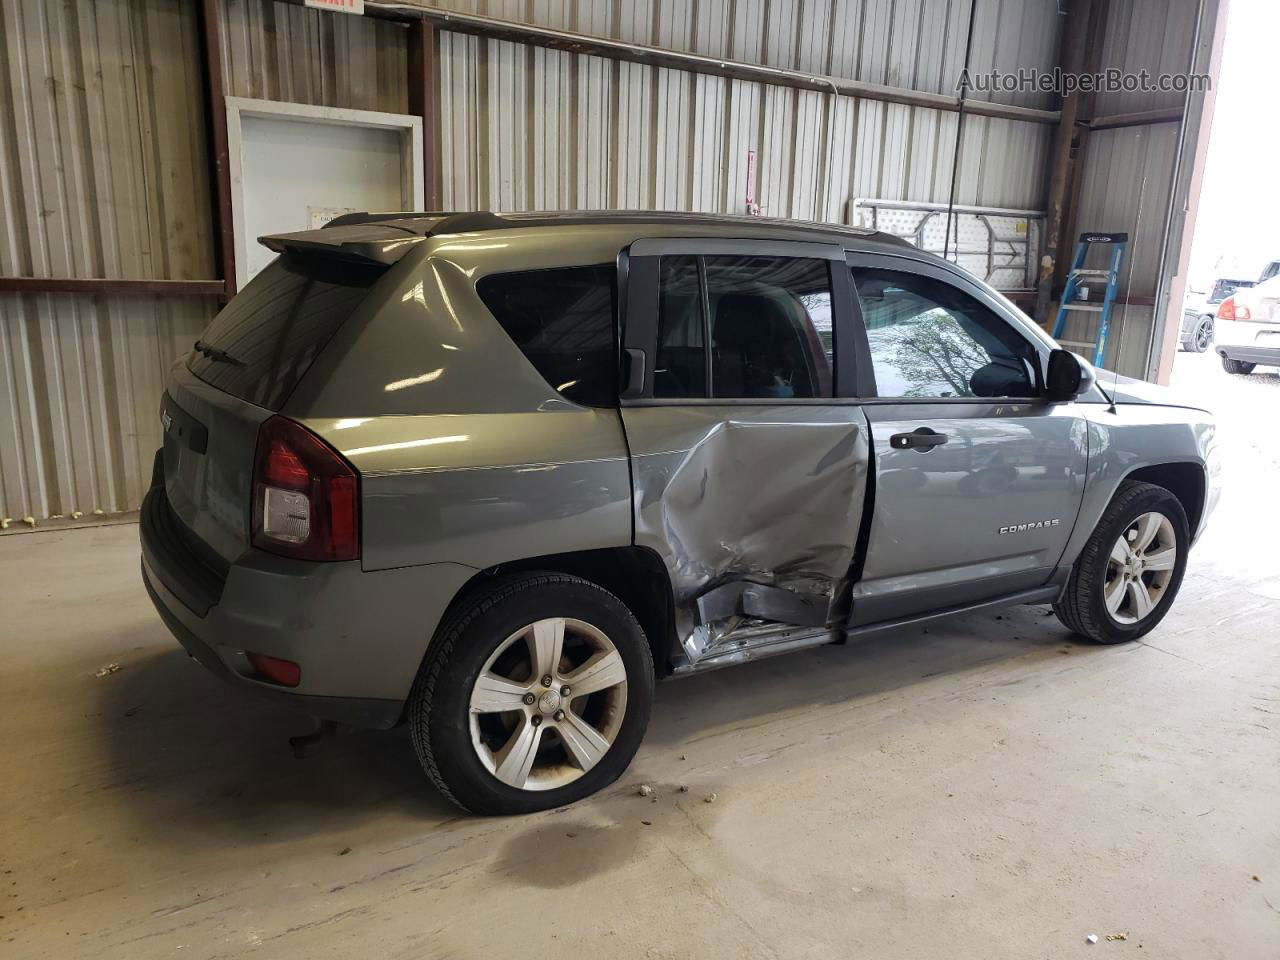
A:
(1140, 567)
(1204, 336)
(548, 704)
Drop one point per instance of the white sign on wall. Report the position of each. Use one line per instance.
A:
(338, 6)
(317, 217)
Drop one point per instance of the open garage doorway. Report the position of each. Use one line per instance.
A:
(1230, 326)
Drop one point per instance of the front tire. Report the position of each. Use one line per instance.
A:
(535, 695)
(1131, 568)
(1237, 366)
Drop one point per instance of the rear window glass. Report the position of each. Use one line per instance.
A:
(562, 320)
(265, 339)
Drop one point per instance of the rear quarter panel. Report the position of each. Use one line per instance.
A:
(487, 488)
(466, 455)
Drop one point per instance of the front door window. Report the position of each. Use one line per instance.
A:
(929, 339)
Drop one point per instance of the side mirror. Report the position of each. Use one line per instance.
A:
(1068, 376)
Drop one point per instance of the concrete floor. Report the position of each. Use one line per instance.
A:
(988, 789)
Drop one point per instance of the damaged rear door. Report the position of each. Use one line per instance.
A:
(749, 457)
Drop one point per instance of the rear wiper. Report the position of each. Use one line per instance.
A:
(219, 356)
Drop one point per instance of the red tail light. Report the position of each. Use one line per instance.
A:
(1230, 310)
(284, 672)
(306, 500)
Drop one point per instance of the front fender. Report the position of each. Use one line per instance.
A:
(1135, 437)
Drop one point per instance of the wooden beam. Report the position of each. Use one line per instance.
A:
(99, 285)
(1088, 106)
(219, 161)
(422, 103)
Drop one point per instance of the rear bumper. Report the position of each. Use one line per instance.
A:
(352, 711)
(359, 637)
(1267, 356)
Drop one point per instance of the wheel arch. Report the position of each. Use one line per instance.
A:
(635, 575)
(1185, 480)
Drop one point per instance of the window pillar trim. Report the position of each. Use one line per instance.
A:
(704, 299)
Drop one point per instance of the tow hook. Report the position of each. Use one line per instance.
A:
(309, 744)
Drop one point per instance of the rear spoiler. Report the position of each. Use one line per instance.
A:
(380, 238)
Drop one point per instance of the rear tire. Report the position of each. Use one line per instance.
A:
(496, 739)
(1237, 366)
(1131, 568)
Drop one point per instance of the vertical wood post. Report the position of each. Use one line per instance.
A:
(1081, 53)
(219, 163)
(422, 103)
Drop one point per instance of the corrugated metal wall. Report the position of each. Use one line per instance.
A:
(102, 174)
(914, 44)
(1140, 159)
(103, 165)
(524, 128)
(1151, 35)
(278, 51)
(1128, 172)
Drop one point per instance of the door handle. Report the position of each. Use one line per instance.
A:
(921, 438)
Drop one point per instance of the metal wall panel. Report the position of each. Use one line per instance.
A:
(279, 51)
(1151, 35)
(529, 129)
(103, 173)
(1127, 181)
(915, 44)
(103, 169)
(80, 384)
(1128, 174)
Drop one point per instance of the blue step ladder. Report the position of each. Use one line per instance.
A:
(1078, 278)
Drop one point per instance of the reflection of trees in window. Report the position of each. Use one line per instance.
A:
(932, 351)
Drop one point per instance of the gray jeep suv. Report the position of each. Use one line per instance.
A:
(492, 476)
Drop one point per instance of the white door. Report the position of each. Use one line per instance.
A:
(295, 167)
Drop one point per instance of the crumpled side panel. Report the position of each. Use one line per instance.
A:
(770, 494)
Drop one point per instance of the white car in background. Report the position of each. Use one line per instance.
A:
(1199, 310)
(1247, 330)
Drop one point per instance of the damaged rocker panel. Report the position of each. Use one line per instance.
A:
(763, 602)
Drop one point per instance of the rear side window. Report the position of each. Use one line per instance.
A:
(744, 327)
(265, 339)
(562, 320)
